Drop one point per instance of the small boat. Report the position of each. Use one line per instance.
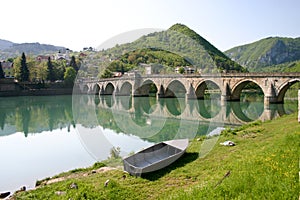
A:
(155, 157)
(4, 195)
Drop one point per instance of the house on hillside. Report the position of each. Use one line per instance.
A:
(42, 58)
(187, 70)
(8, 69)
(63, 54)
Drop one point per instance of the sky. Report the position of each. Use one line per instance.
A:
(89, 23)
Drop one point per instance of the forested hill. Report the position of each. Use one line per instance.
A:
(266, 52)
(11, 50)
(177, 46)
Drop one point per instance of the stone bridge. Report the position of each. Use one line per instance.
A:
(229, 85)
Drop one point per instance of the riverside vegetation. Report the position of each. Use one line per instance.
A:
(264, 164)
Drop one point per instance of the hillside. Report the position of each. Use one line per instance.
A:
(266, 52)
(293, 66)
(4, 44)
(9, 49)
(178, 41)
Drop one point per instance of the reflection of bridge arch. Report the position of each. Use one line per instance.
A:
(202, 86)
(109, 101)
(126, 89)
(175, 89)
(239, 114)
(238, 87)
(208, 109)
(284, 87)
(125, 103)
(175, 106)
(231, 113)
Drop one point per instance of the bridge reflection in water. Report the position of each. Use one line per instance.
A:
(157, 119)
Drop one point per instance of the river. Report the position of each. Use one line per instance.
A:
(43, 136)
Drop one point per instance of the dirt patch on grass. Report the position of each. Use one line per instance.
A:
(75, 175)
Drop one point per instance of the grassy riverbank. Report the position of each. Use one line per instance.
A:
(264, 164)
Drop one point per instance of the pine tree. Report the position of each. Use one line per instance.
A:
(74, 64)
(50, 74)
(24, 69)
(1, 71)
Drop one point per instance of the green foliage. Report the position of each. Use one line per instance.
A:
(50, 75)
(178, 46)
(1, 71)
(24, 72)
(69, 76)
(284, 67)
(270, 51)
(181, 70)
(74, 64)
(106, 74)
(131, 60)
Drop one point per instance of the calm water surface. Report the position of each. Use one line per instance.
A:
(44, 136)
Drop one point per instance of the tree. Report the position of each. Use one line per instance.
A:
(74, 64)
(106, 74)
(181, 70)
(1, 71)
(69, 76)
(50, 71)
(24, 72)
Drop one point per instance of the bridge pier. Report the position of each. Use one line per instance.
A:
(191, 94)
(270, 100)
(270, 95)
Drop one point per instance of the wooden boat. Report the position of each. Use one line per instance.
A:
(4, 195)
(155, 157)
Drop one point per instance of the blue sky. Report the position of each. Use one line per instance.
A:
(77, 24)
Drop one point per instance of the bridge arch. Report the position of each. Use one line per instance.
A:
(283, 88)
(85, 89)
(175, 89)
(147, 88)
(206, 84)
(126, 89)
(96, 89)
(109, 89)
(238, 87)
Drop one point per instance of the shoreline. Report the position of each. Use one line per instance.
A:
(38, 92)
(10, 88)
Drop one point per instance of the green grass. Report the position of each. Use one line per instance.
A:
(264, 164)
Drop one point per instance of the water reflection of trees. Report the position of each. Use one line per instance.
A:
(38, 114)
(35, 114)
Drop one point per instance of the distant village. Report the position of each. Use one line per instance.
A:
(63, 54)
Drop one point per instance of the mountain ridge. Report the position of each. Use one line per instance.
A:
(266, 52)
(4, 44)
(10, 49)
